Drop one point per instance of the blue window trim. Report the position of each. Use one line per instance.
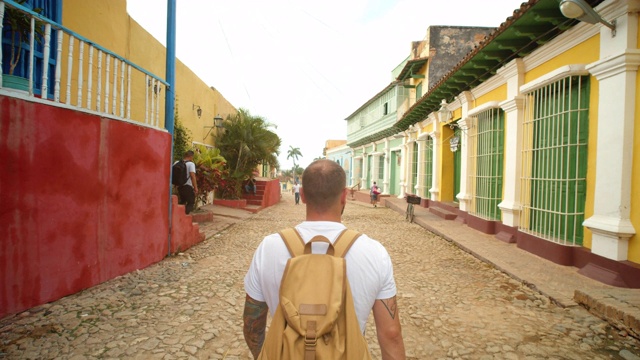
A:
(52, 9)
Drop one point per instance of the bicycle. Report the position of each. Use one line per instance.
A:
(411, 200)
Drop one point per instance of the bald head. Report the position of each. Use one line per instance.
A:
(323, 183)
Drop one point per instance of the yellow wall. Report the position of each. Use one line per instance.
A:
(446, 160)
(584, 53)
(107, 24)
(591, 157)
(497, 94)
(428, 128)
(330, 144)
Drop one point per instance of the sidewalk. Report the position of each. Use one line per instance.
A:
(562, 284)
(223, 217)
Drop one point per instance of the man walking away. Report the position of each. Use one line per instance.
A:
(369, 268)
(187, 192)
(296, 191)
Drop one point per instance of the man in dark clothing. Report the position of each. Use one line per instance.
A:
(187, 192)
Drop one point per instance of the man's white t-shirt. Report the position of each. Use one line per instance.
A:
(296, 188)
(369, 268)
(191, 168)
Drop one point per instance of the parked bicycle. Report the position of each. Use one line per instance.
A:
(411, 200)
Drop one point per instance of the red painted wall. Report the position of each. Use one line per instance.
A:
(184, 232)
(271, 193)
(83, 199)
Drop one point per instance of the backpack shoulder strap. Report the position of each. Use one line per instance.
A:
(345, 240)
(293, 241)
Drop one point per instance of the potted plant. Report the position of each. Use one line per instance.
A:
(18, 25)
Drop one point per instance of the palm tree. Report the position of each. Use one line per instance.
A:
(294, 153)
(245, 142)
(288, 174)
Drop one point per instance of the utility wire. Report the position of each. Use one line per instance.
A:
(224, 34)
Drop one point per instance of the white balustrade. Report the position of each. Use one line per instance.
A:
(90, 77)
(112, 94)
(45, 61)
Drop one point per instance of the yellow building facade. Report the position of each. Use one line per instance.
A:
(568, 176)
(533, 141)
(108, 24)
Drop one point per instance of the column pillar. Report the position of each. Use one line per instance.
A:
(419, 187)
(513, 108)
(355, 177)
(387, 159)
(616, 72)
(403, 169)
(465, 194)
(435, 184)
(363, 173)
(510, 205)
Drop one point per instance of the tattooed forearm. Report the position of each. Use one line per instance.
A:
(255, 322)
(391, 305)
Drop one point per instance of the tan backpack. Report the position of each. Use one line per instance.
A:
(316, 318)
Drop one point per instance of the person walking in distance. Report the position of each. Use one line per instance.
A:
(369, 268)
(374, 192)
(296, 192)
(187, 192)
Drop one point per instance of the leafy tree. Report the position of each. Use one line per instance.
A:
(245, 142)
(181, 138)
(209, 171)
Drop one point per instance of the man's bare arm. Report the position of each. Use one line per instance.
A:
(255, 322)
(387, 317)
(194, 182)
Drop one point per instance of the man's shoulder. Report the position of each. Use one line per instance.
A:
(370, 246)
(272, 246)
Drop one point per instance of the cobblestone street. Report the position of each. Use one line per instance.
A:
(452, 305)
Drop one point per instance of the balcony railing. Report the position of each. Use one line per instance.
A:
(70, 70)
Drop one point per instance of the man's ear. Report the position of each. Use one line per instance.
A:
(302, 195)
(343, 196)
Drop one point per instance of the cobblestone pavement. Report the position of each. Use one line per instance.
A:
(452, 305)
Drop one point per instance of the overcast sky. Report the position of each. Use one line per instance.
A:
(305, 65)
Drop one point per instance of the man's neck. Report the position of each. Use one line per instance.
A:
(311, 216)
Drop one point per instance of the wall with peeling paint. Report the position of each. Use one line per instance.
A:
(448, 46)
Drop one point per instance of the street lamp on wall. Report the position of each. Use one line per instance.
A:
(198, 110)
(579, 9)
(218, 121)
(444, 114)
